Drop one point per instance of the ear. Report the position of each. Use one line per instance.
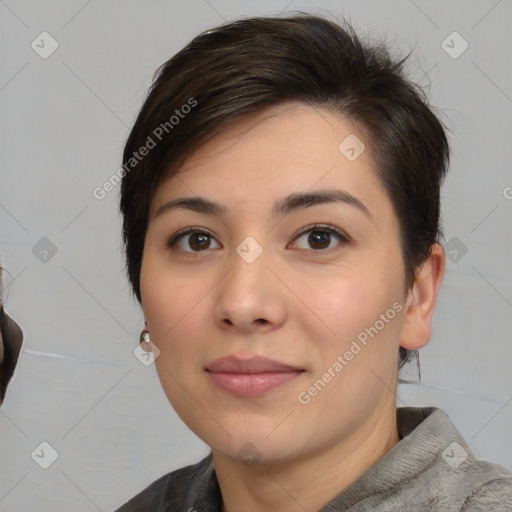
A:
(421, 300)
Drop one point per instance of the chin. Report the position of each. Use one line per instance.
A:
(252, 450)
(261, 442)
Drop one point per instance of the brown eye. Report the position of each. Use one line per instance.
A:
(320, 237)
(191, 240)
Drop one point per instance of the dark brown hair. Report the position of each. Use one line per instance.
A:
(249, 64)
(11, 339)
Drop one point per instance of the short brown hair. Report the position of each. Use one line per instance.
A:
(249, 64)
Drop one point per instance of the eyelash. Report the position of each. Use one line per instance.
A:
(324, 228)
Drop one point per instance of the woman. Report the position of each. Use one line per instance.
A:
(281, 199)
(11, 338)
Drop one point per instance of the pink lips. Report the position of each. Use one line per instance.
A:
(250, 377)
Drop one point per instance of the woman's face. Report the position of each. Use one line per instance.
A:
(260, 280)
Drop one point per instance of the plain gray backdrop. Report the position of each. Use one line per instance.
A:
(64, 118)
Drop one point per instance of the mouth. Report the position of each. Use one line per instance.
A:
(250, 377)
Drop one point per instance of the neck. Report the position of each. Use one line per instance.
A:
(308, 482)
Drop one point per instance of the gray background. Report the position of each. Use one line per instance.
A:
(64, 120)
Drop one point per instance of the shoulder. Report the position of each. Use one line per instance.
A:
(173, 491)
(469, 490)
(436, 469)
(495, 493)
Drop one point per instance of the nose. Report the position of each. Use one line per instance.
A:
(251, 296)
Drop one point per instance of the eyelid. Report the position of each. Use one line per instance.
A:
(324, 227)
(189, 231)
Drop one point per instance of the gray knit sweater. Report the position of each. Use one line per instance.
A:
(430, 469)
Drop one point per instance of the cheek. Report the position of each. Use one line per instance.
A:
(366, 344)
(174, 308)
(350, 310)
(158, 287)
(342, 309)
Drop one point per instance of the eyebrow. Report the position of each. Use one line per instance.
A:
(293, 202)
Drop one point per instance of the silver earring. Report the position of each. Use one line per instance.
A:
(144, 336)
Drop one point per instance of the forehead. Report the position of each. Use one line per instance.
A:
(278, 151)
(290, 133)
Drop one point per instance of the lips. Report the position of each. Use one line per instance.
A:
(250, 377)
(256, 364)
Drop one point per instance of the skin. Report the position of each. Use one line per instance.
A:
(300, 302)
